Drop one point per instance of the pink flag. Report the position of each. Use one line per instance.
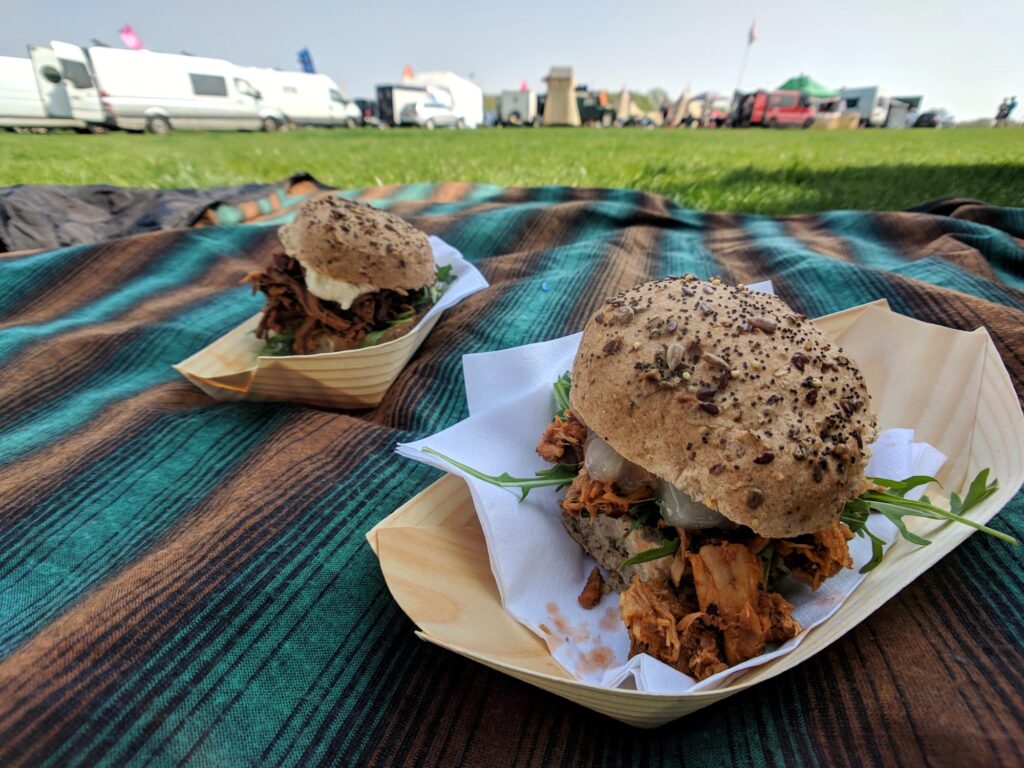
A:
(130, 39)
(752, 35)
(524, 86)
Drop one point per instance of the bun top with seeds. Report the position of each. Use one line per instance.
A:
(729, 396)
(349, 249)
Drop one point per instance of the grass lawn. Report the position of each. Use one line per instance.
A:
(771, 172)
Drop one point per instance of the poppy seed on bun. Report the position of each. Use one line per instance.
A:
(730, 396)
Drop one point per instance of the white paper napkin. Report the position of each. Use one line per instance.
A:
(468, 279)
(540, 570)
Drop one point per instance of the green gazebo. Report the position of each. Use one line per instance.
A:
(809, 87)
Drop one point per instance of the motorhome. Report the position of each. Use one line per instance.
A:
(158, 92)
(303, 98)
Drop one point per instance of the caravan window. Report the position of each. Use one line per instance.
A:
(209, 85)
(335, 96)
(290, 89)
(76, 73)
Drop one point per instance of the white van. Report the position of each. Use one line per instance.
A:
(303, 98)
(40, 92)
(871, 102)
(158, 92)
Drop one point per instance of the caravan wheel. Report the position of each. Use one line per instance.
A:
(429, 125)
(158, 126)
(350, 122)
(460, 124)
(270, 125)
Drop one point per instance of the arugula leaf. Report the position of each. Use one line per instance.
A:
(277, 344)
(669, 548)
(893, 505)
(767, 555)
(444, 274)
(562, 387)
(559, 475)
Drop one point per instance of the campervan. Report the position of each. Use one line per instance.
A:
(158, 92)
(303, 98)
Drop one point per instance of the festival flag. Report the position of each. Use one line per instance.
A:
(407, 74)
(130, 38)
(306, 61)
(752, 35)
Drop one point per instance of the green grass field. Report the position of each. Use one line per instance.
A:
(772, 172)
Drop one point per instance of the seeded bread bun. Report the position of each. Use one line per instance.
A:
(731, 397)
(344, 240)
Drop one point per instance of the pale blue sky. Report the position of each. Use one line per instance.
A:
(961, 55)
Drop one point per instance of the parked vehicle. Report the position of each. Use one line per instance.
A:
(517, 108)
(47, 91)
(775, 109)
(303, 98)
(391, 99)
(158, 92)
(431, 113)
(21, 105)
(594, 107)
(936, 118)
(80, 81)
(871, 103)
(368, 112)
(461, 95)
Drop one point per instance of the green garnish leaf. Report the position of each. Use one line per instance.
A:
(277, 344)
(559, 475)
(562, 387)
(892, 504)
(444, 274)
(669, 548)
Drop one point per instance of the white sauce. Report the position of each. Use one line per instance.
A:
(330, 289)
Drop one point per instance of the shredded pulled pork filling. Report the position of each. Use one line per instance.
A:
(815, 557)
(318, 325)
(596, 498)
(562, 441)
(591, 594)
(711, 604)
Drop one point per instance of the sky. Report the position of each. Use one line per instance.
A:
(963, 56)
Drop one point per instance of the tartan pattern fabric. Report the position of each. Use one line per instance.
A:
(186, 582)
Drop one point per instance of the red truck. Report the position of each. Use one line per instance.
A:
(775, 109)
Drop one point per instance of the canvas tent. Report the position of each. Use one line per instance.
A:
(679, 111)
(560, 107)
(467, 98)
(809, 87)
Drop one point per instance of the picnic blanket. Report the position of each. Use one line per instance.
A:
(184, 581)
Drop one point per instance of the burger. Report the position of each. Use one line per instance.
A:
(349, 276)
(718, 436)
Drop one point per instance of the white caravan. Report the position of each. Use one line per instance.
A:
(871, 102)
(157, 92)
(517, 107)
(303, 98)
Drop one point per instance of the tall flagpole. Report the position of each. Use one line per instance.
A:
(751, 37)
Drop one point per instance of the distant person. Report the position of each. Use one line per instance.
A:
(1012, 105)
(1003, 113)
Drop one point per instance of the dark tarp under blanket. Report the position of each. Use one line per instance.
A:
(49, 216)
(184, 581)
